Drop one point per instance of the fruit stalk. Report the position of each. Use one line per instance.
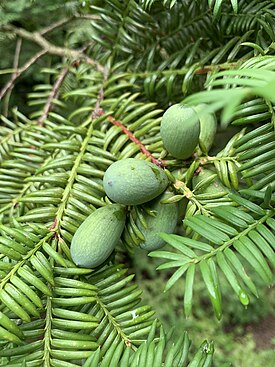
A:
(131, 136)
(181, 186)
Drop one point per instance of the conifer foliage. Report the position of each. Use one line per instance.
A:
(102, 73)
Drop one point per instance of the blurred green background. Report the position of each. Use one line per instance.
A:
(243, 338)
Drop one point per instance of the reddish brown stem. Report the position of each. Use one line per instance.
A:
(135, 140)
(98, 110)
(220, 67)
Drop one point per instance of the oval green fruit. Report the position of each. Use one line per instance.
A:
(132, 181)
(96, 238)
(208, 128)
(165, 220)
(180, 130)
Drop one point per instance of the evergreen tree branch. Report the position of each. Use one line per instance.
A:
(91, 115)
(54, 93)
(230, 242)
(67, 192)
(184, 70)
(15, 67)
(183, 188)
(98, 111)
(9, 85)
(114, 323)
(55, 25)
(37, 38)
(47, 335)
(66, 20)
(135, 140)
(17, 53)
(19, 264)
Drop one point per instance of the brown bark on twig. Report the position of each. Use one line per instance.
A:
(64, 21)
(98, 110)
(47, 47)
(17, 53)
(15, 68)
(52, 96)
(37, 38)
(9, 85)
(54, 26)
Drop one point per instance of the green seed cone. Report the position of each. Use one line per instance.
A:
(164, 221)
(180, 130)
(208, 128)
(97, 236)
(133, 181)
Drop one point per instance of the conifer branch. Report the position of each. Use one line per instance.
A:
(9, 85)
(17, 53)
(55, 25)
(54, 93)
(15, 67)
(135, 140)
(37, 38)
(66, 20)
(67, 191)
(184, 70)
(98, 111)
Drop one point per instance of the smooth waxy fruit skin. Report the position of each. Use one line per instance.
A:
(132, 181)
(208, 128)
(97, 236)
(180, 130)
(165, 221)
